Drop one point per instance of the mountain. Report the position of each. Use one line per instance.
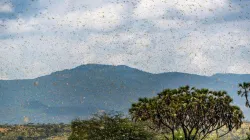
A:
(84, 90)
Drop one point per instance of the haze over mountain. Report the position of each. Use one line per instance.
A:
(79, 92)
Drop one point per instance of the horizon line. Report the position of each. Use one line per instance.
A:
(219, 73)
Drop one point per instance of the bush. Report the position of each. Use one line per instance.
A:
(105, 126)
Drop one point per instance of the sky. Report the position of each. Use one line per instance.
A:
(203, 37)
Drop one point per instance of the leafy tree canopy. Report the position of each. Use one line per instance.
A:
(197, 112)
(243, 91)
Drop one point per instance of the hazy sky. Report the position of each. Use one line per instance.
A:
(194, 36)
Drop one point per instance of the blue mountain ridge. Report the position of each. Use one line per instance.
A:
(79, 92)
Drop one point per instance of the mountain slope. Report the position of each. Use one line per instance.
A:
(79, 92)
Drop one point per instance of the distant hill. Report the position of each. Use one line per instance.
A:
(79, 92)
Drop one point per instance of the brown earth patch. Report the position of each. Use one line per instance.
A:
(4, 130)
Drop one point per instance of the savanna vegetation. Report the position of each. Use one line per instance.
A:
(244, 89)
(184, 113)
(109, 126)
(195, 112)
(174, 114)
(35, 131)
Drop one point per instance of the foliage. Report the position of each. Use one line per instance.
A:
(104, 126)
(197, 112)
(37, 131)
(243, 91)
(248, 136)
(34, 131)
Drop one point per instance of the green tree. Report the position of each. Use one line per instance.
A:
(104, 126)
(196, 112)
(244, 89)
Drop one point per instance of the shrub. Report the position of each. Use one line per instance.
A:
(105, 126)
